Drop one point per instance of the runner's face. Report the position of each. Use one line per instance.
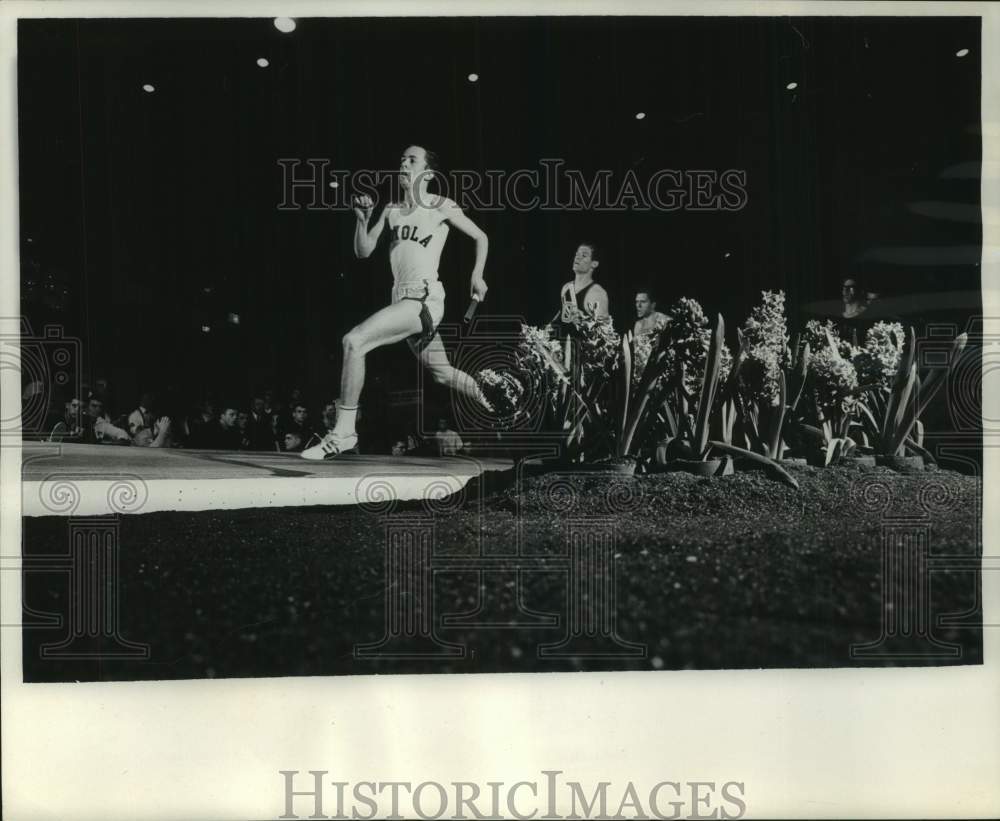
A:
(643, 307)
(583, 261)
(412, 164)
(849, 290)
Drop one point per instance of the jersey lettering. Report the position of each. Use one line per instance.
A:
(410, 232)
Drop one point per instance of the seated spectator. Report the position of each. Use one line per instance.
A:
(299, 423)
(449, 443)
(224, 434)
(202, 427)
(243, 426)
(271, 407)
(96, 427)
(102, 389)
(142, 416)
(146, 437)
(293, 442)
(261, 424)
(399, 448)
(69, 428)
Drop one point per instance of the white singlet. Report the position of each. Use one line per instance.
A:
(416, 240)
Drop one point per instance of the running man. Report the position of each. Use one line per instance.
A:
(418, 228)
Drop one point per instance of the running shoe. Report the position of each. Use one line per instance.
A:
(333, 444)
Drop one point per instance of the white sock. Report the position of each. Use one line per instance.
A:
(346, 414)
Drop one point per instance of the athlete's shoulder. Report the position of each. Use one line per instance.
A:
(446, 205)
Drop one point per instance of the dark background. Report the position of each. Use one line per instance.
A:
(133, 204)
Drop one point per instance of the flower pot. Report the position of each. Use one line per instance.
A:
(624, 466)
(701, 467)
(744, 464)
(900, 462)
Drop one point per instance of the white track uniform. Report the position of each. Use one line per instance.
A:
(416, 240)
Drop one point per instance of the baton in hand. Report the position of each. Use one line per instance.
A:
(471, 312)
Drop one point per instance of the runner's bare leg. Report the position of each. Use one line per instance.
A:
(391, 324)
(435, 359)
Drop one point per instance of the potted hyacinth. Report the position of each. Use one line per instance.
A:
(576, 392)
(676, 387)
(695, 404)
(834, 389)
(897, 394)
(767, 395)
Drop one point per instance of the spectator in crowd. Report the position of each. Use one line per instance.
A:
(853, 297)
(449, 443)
(293, 442)
(399, 447)
(96, 427)
(271, 407)
(68, 429)
(856, 315)
(261, 424)
(102, 388)
(225, 435)
(157, 436)
(142, 416)
(648, 319)
(243, 426)
(299, 422)
(202, 429)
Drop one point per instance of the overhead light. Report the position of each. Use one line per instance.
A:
(792, 86)
(334, 184)
(640, 115)
(149, 89)
(207, 289)
(726, 255)
(284, 24)
(205, 329)
(262, 62)
(962, 52)
(473, 78)
(233, 319)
